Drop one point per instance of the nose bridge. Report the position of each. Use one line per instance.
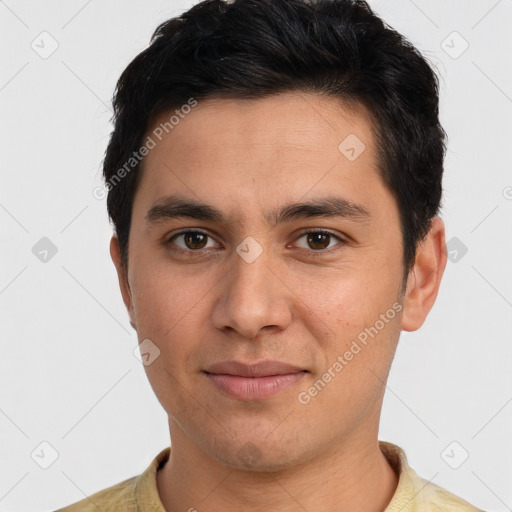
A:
(253, 297)
(250, 275)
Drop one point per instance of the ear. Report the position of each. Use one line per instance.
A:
(115, 253)
(425, 277)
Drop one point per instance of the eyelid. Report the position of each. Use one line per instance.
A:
(320, 230)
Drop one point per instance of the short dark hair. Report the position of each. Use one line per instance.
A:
(255, 48)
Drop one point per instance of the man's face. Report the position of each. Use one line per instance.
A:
(247, 289)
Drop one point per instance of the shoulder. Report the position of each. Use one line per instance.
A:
(131, 495)
(117, 497)
(415, 494)
(438, 499)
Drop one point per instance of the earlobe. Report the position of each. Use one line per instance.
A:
(124, 285)
(425, 277)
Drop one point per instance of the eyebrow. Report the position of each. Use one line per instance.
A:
(176, 207)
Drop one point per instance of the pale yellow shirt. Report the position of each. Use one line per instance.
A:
(140, 493)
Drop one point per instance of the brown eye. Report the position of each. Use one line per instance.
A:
(318, 240)
(191, 241)
(195, 240)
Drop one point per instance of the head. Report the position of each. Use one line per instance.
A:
(274, 180)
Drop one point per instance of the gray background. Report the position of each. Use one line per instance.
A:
(68, 373)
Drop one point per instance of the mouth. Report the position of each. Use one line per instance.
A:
(252, 382)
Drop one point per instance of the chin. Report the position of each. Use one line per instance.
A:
(258, 454)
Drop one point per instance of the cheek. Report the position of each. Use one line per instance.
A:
(363, 333)
(348, 301)
(171, 316)
(163, 300)
(359, 317)
(172, 311)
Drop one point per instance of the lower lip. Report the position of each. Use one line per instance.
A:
(254, 388)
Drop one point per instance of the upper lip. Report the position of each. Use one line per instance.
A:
(261, 369)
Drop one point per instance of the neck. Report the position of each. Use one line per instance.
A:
(354, 475)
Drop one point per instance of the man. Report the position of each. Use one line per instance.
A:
(274, 180)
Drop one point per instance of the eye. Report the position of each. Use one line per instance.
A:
(316, 242)
(319, 241)
(193, 241)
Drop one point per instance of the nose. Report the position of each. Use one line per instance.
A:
(253, 297)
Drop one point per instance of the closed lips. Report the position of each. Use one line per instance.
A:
(262, 369)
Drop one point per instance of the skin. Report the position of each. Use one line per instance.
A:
(246, 157)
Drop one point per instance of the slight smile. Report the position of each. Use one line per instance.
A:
(247, 382)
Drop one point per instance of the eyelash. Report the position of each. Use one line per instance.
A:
(312, 253)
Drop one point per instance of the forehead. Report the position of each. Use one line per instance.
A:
(260, 151)
(302, 121)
